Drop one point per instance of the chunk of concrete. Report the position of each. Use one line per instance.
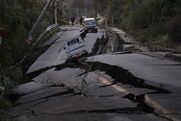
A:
(28, 88)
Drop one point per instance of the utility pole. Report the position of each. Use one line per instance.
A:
(38, 21)
(55, 12)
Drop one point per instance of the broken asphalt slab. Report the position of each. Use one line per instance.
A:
(28, 88)
(68, 76)
(49, 103)
(43, 94)
(55, 103)
(163, 73)
(65, 33)
(77, 104)
(145, 67)
(74, 106)
(55, 54)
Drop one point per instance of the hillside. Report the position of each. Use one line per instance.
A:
(155, 22)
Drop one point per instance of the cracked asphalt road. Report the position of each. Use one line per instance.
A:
(100, 102)
(107, 87)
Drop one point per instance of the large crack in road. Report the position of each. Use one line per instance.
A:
(79, 86)
(118, 75)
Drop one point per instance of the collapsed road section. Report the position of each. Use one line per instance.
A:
(85, 90)
(111, 87)
(151, 73)
(76, 93)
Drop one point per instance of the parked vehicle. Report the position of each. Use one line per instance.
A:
(75, 47)
(90, 25)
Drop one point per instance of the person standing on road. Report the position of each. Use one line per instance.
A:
(72, 20)
(81, 20)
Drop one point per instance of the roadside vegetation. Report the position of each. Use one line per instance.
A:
(16, 19)
(156, 23)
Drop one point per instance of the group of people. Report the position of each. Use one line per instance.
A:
(72, 19)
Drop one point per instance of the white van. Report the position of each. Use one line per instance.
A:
(75, 47)
(90, 25)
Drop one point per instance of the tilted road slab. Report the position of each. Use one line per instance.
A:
(148, 68)
(160, 72)
(55, 55)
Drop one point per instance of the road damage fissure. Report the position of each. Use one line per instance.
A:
(124, 76)
(120, 75)
(144, 102)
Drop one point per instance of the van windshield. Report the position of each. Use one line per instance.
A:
(89, 22)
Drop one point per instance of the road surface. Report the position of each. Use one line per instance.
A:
(107, 87)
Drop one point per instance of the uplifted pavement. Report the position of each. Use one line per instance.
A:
(55, 54)
(100, 102)
(83, 91)
(159, 72)
(148, 68)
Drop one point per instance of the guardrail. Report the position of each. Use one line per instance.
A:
(44, 32)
